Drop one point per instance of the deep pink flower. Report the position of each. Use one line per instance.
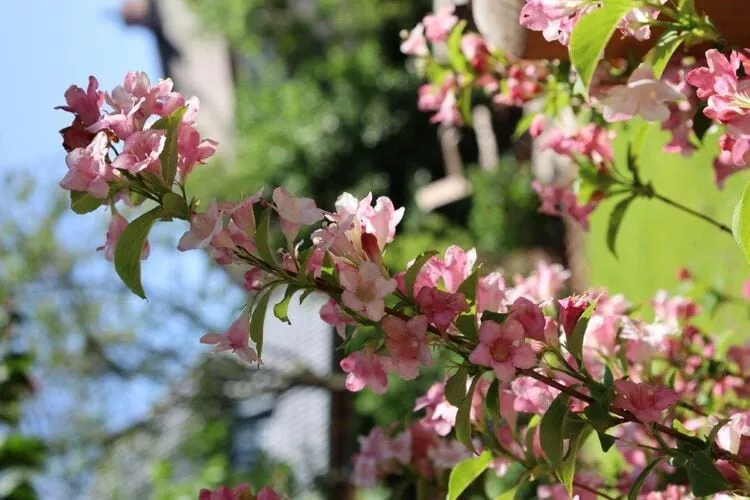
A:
(438, 25)
(332, 314)
(116, 227)
(294, 212)
(407, 344)
(365, 289)
(87, 104)
(239, 492)
(235, 339)
(440, 307)
(203, 228)
(88, 169)
(440, 414)
(646, 402)
(141, 152)
(415, 43)
(366, 368)
(643, 95)
(503, 348)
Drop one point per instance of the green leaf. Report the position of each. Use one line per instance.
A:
(258, 319)
(262, 238)
(592, 34)
(463, 417)
(705, 479)
(411, 274)
(455, 387)
(550, 431)
(168, 156)
(466, 473)
(129, 248)
(615, 221)
(567, 469)
(281, 309)
(175, 205)
(638, 484)
(83, 203)
(662, 52)
(575, 342)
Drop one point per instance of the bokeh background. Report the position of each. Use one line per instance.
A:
(314, 95)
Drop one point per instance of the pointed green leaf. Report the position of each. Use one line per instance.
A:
(129, 248)
(662, 52)
(638, 484)
(411, 274)
(258, 319)
(463, 417)
(550, 431)
(705, 479)
(615, 221)
(455, 387)
(262, 238)
(83, 203)
(281, 309)
(168, 156)
(592, 34)
(575, 342)
(466, 473)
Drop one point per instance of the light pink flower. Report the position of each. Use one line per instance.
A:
(365, 289)
(141, 152)
(332, 314)
(532, 396)
(438, 25)
(503, 348)
(415, 44)
(646, 402)
(294, 212)
(203, 228)
(235, 339)
(407, 344)
(192, 150)
(366, 369)
(440, 414)
(87, 104)
(116, 227)
(88, 170)
(239, 492)
(643, 95)
(440, 307)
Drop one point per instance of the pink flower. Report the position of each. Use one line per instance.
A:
(239, 492)
(294, 212)
(476, 51)
(85, 105)
(203, 227)
(438, 25)
(365, 289)
(643, 95)
(407, 343)
(440, 307)
(192, 150)
(502, 347)
(530, 316)
(365, 368)
(532, 396)
(440, 414)
(88, 170)
(116, 227)
(447, 453)
(571, 309)
(332, 314)
(141, 152)
(235, 340)
(646, 402)
(415, 44)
